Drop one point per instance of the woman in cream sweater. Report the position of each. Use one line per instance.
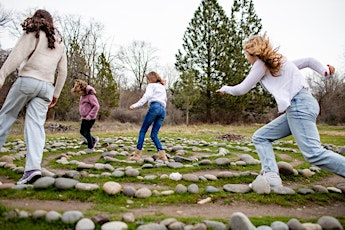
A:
(38, 55)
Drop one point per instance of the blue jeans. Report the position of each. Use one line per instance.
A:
(300, 121)
(36, 95)
(155, 115)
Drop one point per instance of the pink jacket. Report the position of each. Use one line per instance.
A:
(88, 105)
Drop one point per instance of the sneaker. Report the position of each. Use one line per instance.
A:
(273, 178)
(96, 140)
(30, 177)
(89, 150)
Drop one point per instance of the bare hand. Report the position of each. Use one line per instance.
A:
(220, 92)
(131, 107)
(53, 103)
(331, 70)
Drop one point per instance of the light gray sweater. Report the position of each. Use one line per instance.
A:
(34, 59)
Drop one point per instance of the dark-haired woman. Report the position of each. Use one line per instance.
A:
(38, 55)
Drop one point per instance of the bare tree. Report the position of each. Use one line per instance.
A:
(137, 59)
(5, 16)
(169, 73)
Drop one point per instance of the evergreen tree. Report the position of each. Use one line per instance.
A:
(246, 23)
(186, 93)
(205, 45)
(106, 87)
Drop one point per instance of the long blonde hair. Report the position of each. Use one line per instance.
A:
(260, 47)
(153, 77)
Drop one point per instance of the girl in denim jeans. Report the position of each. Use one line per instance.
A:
(298, 108)
(156, 97)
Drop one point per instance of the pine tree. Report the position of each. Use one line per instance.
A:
(106, 87)
(186, 93)
(205, 45)
(259, 100)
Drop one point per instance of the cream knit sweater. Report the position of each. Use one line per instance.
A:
(34, 59)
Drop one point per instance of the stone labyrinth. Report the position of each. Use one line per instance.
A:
(194, 166)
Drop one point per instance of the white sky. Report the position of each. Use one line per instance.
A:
(300, 27)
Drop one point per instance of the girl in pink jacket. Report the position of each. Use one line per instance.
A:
(88, 108)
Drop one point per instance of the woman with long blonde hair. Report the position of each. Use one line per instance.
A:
(155, 95)
(297, 107)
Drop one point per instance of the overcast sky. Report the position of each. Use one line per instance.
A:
(300, 27)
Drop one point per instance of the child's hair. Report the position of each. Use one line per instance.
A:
(260, 47)
(153, 77)
(41, 20)
(79, 87)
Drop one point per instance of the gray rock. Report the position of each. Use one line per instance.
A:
(236, 188)
(180, 188)
(128, 217)
(175, 165)
(52, 216)
(222, 161)
(282, 190)
(295, 224)
(129, 191)
(101, 219)
(264, 227)
(143, 193)
(320, 189)
(86, 186)
(176, 226)
(151, 226)
(193, 188)
(114, 225)
(190, 177)
(285, 168)
(199, 226)
(38, 214)
(279, 225)
(44, 182)
(112, 187)
(211, 189)
(239, 221)
(118, 173)
(216, 225)
(85, 224)
(65, 183)
(305, 191)
(329, 223)
(205, 162)
(132, 172)
(71, 217)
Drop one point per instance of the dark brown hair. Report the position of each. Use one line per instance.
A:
(41, 20)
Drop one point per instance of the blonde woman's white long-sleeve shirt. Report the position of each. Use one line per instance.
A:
(34, 59)
(155, 92)
(284, 87)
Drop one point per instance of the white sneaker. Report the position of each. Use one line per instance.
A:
(273, 178)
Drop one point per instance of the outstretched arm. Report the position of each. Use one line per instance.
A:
(315, 65)
(256, 73)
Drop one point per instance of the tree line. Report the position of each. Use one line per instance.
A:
(211, 56)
